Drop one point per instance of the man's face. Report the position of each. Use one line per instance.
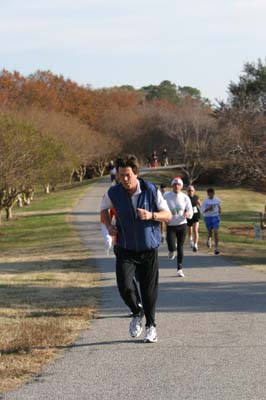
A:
(190, 191)
(177, 187)
(128, 178)
(210, 195)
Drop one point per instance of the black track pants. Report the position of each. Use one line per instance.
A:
(176, 236)
(145, 265)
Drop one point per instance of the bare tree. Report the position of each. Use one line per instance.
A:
(192, 129)
(242, 144)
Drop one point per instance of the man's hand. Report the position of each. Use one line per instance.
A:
(112, 230)
(144, 214)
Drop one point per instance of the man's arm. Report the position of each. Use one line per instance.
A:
(105, 217)
(160, 216)
(188, 209)
(105, 206)
(163, 216)
(203, 207)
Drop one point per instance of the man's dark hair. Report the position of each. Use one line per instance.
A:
(162, 186)
(128, 160)
(210, 190)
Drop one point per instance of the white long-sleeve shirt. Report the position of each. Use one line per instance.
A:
(179, 204)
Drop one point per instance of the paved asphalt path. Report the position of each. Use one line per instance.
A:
(211, 327)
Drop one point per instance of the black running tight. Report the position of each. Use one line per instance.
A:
(176, 236)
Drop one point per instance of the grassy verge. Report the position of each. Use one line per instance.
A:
(49, 290)
(240, 212)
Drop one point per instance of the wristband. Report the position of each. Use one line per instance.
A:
(154, 217)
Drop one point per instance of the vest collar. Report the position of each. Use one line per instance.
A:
(138, 190)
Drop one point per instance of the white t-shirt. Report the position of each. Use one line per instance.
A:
(106, 203)
(214, 203)
(179, 204)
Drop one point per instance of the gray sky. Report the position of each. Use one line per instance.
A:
(200, 43)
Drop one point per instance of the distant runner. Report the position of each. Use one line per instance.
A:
(112, 171)
(164, 158)
(154, 159)
(181, 209)
(211, 209)
(193, 223)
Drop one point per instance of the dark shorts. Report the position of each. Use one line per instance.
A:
(193, 220)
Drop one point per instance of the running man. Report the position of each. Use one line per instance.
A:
(211, 210)
(140, 207)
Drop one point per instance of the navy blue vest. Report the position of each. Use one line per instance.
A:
(133, 233)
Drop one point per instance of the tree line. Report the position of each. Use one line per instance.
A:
(53, 130)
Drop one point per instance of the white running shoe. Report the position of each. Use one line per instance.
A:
(191, 243)
(209, 243)
(180, 273)
(171, 255)
(150, 335)
(135, 326)
(195, 248)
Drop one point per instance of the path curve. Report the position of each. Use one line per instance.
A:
(211, 328)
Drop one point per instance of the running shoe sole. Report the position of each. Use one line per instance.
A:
(155, 340)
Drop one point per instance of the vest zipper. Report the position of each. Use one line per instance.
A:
(133, 212)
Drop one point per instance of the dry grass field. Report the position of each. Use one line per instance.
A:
(48, 287)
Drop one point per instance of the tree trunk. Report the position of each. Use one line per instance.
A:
(27, 196)
(47, 189)
(19, 201)
(9, 213)
(26, 201)
(72, 176)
